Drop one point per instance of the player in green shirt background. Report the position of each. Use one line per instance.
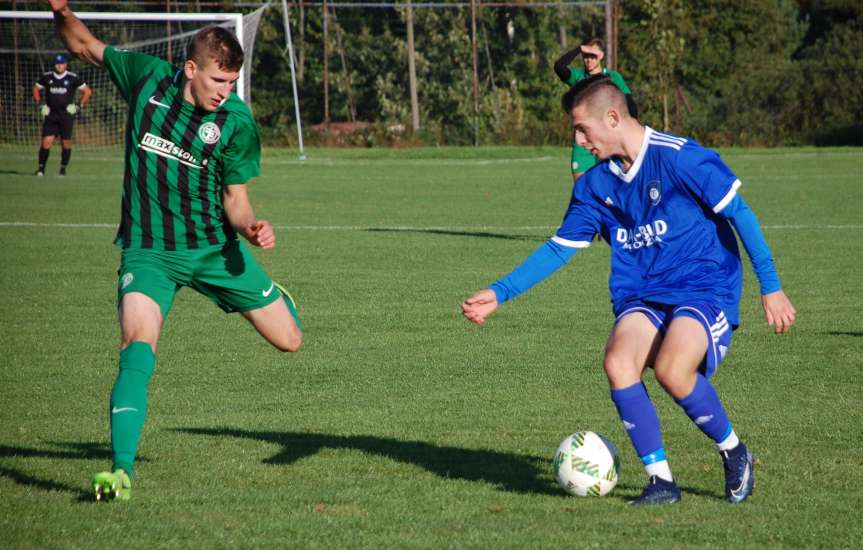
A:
(191, 147)
(591, 56)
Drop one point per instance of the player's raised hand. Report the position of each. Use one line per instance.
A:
(479, 306)
(57, 5)
(261, 234)
(779, 311)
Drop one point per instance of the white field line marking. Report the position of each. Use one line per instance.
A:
(330, 161)
(401, 227)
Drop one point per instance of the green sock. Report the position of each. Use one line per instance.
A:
(129, 403)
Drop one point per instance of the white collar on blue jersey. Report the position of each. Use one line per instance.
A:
(58, 76)
(633, 170)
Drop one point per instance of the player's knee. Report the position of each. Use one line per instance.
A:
(128, 339)
(621, 370)
(675, 379)
(290, 342)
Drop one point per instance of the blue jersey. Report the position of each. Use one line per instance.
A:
(661, 219)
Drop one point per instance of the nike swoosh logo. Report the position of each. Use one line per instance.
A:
(736, 492)
(116, 410)
(268, 291)
(154, 101)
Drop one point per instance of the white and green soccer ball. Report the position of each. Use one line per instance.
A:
(586, 464)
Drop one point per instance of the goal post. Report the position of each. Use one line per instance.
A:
(28, 43)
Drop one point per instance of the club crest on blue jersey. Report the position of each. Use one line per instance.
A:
(654, 192)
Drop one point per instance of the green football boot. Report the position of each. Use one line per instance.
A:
(292, 305)
(114, 485)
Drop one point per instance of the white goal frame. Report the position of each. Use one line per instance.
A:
(236, 18)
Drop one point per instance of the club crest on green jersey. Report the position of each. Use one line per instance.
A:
(209, 133)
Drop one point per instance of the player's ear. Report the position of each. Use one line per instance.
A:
(190, 68)
(613, 117)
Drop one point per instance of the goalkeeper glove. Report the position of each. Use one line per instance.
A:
(44, 110)
(72, 109)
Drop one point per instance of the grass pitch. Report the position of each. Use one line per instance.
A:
(400, 424)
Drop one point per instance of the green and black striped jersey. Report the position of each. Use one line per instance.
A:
(178, 158)
(577, 75)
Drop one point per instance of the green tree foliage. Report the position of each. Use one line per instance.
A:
(761, 72)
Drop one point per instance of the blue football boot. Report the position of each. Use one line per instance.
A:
(657, 491)
(739, 473)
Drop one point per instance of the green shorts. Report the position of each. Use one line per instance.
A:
(228, 275)
(582, 159)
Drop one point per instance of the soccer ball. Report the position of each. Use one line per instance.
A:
(586, 464)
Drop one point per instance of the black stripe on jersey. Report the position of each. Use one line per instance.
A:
(203, 178)
(146, 123)
(124, 232)
(166, 131)
(183, 181)
(227, 228)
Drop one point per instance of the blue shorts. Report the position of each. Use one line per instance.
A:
(710, 315)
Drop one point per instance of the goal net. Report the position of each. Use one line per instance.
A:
(28, 44)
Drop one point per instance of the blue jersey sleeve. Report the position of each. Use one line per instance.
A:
(547, 259)
(580, 223)
(704, 174)
(582, 219)
(749, 231)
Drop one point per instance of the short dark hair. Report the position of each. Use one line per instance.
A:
(594, 42)
(585, 89)
(219, 44)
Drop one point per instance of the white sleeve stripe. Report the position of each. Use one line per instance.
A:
(41, 87)
(570, 244)
(84, 85)
(727, 198)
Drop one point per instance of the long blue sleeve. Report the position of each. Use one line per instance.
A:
(749, 231)
(547, 259)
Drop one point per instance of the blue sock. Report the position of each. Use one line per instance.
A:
(639, 418)
(703, 407)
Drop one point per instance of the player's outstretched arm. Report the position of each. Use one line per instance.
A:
(779, 311)
(240, 214)
(75, 35)
(479, 306)
(561, 66)
(86, 92)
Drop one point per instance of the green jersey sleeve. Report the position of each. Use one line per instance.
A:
(575, 75)
(127, 68)
(619, 82)
(242, 157)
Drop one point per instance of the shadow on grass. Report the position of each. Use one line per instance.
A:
(844, 333)
(74, 451)
(449, 232)
(21, 478)
(507, 471)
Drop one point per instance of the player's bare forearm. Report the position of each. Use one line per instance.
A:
(75, 34)
(85, 96)
(241, 216)
(37, 94)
